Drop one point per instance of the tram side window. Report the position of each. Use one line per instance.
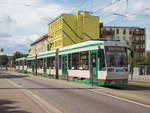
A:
(84, 58)
(59, 61)
(75, 61)
(48, 62)
(69, 61)
(40, 63)
(101, 60)
(25, 62)
(52, 62)
(20, 63)
(29, 63)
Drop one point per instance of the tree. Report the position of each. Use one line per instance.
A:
(4, 60)
(2, 50)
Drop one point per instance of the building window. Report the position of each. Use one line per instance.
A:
(117, 31)
(130, 32)
(117, 38)
(130, 38)
(124, 38)
(124, 31)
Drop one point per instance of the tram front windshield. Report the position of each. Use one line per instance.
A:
(116, 56)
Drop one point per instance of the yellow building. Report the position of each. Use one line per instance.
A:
(70, 29)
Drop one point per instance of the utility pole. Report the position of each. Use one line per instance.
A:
(56, 57)
(35, 62)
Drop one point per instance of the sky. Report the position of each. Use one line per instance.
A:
(24, 21)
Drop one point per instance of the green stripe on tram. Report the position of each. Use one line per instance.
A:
(68, 50)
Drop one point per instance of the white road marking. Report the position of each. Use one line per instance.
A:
(116, 97)
(45, 105)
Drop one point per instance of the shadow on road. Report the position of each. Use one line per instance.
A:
(7, 76)
(6, 106)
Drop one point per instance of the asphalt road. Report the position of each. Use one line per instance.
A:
(71, 99)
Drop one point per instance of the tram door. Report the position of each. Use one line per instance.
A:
(44, 65)
(93, 64)
(64, 59)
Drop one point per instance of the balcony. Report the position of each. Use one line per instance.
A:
(111, 32)
(141, 41)
(134, 41)
(138, 33)
(140, 50)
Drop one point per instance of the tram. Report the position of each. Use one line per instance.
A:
(21, 65)
(91, 62)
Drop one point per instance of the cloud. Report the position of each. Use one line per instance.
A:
(5, 19)
(19, 43)
(21, 24)
(3, 35)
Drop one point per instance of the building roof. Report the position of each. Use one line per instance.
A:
(123, 27)
(40, 39)
(148, 53)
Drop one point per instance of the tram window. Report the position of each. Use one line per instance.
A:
(40, 63)
(52, 62)
(75, 61)
(20, 62)
(59, 61)
(84, 58)
(101, 60)
(29, 63)
(48, 62)
(69, 61)
(25, 62)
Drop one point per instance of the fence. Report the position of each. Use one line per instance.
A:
(142, 70)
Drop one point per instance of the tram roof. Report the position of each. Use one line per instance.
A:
(85, 43)
(23, 58)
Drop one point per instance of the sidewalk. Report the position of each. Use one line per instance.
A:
(14, 100)
(144, 78)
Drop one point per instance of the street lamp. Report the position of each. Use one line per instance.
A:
(35, 62)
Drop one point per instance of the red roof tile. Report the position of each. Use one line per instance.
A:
(39, 39)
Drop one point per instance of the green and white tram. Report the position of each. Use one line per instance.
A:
(21, 65)
(91, 62)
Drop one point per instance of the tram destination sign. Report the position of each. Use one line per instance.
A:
(115, 49)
